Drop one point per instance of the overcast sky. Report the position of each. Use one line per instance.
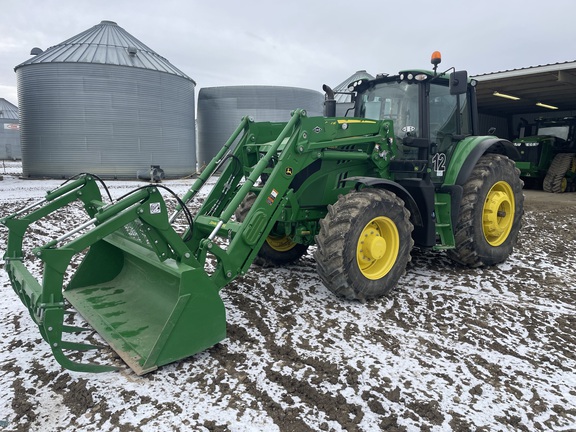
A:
(303, 43)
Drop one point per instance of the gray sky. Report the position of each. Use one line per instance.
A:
(303, 43)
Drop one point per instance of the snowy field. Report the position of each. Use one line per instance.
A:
(451, 349)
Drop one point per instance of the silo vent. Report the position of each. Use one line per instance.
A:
(36, 51)
(132, 50)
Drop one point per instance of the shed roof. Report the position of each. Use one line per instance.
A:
(8, 110)
(106, 43)
(551, 84)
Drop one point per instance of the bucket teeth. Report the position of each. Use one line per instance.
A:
(77, 346)
(74, 329)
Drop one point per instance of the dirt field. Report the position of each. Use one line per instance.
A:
(450, 349)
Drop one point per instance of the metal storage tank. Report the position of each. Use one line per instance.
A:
(9, 131)
(103, 102)
(220, 110)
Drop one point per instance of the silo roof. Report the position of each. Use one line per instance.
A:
(343, 86)
(361, 74)
(106, 43)
(8, 110)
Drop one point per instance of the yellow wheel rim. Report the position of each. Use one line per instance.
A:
(498, 213)
(280, 243)
(377, 248)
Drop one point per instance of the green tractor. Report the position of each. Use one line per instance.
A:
(548, 158)
(408, 169)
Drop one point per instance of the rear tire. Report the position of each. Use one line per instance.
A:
(490, 214)
(562, 165)
(277, 250)
(364, 244)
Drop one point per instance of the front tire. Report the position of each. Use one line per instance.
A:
(277, 250)
(490, 213)
(364, 244)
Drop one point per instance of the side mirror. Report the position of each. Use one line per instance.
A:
(458, 82)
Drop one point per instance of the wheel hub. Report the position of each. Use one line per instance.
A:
(378, 247)
(375, 247)
(280, 243)
(498, 213)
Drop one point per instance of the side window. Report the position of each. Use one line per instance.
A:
(445, 118)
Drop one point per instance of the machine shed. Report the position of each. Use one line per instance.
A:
(507, 99)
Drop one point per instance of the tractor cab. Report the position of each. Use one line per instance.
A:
(431, 113)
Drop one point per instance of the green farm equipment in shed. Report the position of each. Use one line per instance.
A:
(548, 158)
(409, 168)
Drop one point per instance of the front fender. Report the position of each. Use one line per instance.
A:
(400, 191)
(470, 150)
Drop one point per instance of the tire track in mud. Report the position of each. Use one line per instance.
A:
(481, 323)
(300, 377)
(334, 390)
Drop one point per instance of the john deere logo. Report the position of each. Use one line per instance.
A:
(289, 171)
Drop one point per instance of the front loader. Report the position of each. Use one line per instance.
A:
(407, 169)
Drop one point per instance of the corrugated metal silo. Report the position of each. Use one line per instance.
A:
(220, 110)
(103, 102)
(9, 131)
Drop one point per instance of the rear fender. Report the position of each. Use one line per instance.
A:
(469, 151)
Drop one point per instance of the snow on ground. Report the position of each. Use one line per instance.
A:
(450, 349)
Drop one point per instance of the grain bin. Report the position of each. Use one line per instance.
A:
(103, 102)
(220, 110)
(9, 131)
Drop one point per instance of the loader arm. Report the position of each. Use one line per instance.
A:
(295, 147)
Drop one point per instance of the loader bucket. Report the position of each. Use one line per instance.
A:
(138, 285)
(150, 312)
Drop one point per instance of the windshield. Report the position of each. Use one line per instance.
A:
(394, 101)
(557, 131)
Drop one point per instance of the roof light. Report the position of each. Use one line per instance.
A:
(543, 105)
(436, 58)
(421, 77)
(505, 96)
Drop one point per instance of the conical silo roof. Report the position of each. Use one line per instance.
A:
(106, 43)
(8, 110)
(361, 74)
(343, 86)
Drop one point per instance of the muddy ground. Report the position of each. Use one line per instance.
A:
(450, 349)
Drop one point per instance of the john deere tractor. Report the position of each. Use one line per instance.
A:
(408, 169)
(548, 158)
